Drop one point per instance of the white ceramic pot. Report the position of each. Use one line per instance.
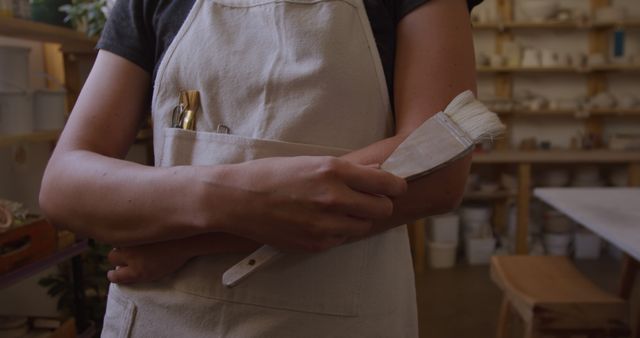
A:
(628, 101)
(531, 58)
(555, 178)
(49, 109)
(497, 60)
(14, 68)
(549, 58)
(609, 14)
(539, 10)
(596, 59)
(16, 113)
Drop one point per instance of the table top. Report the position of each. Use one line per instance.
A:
(611, 213)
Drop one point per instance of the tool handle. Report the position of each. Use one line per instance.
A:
(252, 263)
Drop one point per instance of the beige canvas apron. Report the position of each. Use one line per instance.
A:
(288, 78)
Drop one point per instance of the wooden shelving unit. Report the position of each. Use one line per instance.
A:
(488, 196)
(574, 112)
(501, 26)
(559, 69)
(557, 156)
(79, 54)
(30, 30)
(40, 136)
(596, 81)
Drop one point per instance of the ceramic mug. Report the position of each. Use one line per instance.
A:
(531, 58)
(549, 58)
(577, 59)
(597, 59)
(497, 60)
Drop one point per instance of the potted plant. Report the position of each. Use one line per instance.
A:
(87, 16)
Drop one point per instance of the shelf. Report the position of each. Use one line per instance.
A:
(144, 135)
(501, 26)
(616, 111)
(29, 270)
(632, 24)
(484, 69)
(575, 113)
(557, 156)
(615, 67)
(39, 136)
(50, 136)
(30, 30)
(483, 196)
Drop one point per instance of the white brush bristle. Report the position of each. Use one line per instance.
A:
(474, 117)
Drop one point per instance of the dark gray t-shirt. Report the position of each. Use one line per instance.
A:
(142, 30)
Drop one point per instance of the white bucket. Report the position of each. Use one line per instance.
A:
(16, 113)
(479, 250)
(557, 244)
(587, 245)
(14, 68)
(444, 228)
(442, 255)
(49, 109)
(475, 214)
(556, 222)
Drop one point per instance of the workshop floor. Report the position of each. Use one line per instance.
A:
(462, 302)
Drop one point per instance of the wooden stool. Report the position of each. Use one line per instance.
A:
(553, 298)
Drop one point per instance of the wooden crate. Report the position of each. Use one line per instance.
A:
(27, 244)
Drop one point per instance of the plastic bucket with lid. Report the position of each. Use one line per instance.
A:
(14, 68)
(16, 113)
(557, 244)
(49, 109)
(587, 245)
(444, 228)
(479, 250)
(442, 255)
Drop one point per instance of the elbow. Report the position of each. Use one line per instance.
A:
(452, 185)
(49, 202)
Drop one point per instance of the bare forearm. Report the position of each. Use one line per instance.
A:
(119, 202)
(436, 193)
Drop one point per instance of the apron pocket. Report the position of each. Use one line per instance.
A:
(185, 147)
(326, 283)
(119, 315)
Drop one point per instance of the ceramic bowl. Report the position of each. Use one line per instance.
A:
(539, 10)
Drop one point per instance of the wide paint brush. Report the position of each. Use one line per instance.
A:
(440, 140)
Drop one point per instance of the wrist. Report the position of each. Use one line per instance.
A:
(211, 201)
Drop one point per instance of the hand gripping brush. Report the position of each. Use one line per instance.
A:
(442, 139)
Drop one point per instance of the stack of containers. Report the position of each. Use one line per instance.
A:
(23, 110)
(443, 240)
(16, 105)
(558, 233)
(479, 241)
(587, 244)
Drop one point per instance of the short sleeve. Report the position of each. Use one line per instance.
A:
(404, 7)
(129, 33)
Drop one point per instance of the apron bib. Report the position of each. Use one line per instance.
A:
(287, 78)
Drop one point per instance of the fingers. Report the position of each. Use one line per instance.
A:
(372, 180)
(122, 275)
(116, 258)
(366, 206)
(336, 227)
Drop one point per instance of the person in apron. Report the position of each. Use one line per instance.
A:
(295, 115)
